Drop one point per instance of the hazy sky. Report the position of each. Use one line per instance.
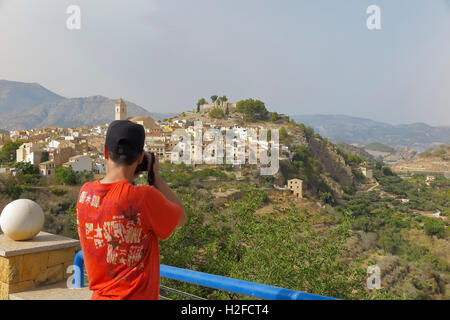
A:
(299, 57)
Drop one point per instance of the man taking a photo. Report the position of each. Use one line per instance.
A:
(119, 224)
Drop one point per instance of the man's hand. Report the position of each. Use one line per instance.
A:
(149, 161)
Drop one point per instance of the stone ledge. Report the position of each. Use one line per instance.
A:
(42, 242)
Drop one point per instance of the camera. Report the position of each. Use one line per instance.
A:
(143, 166)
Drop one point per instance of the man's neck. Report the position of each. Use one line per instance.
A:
(116, 174)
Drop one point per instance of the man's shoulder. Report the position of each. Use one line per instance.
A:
(87, 185)
(143, 189)
(147, 194)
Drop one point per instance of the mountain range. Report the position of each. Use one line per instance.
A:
(361, 132)
(30, 105)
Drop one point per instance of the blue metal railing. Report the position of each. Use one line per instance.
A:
(247, 288)
(78, 270)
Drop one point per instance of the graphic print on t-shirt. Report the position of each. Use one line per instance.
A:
(122, 234)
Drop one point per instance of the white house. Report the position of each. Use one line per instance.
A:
(52, 145)
(368, 173)
(29, 152)
(99, 166)
(80, 163)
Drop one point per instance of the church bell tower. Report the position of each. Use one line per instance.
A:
(120, 110)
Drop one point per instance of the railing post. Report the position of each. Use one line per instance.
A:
(78, 270)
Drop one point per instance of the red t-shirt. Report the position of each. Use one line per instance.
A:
(119, 225)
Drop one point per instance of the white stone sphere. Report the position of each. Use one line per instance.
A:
(22, 219)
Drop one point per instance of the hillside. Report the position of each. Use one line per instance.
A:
(442, 152)
(432, 161)
(341, 128)
(26, 106)
(355, 150)
(18, 96)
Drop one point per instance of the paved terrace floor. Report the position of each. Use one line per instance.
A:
(56, 291)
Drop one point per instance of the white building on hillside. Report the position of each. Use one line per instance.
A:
(79, 163)
(29, 152)
(52, 145)
(99, 166)
(368, 173)
(296, 186)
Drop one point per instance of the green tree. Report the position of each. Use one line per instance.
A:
(378, 165)
(309, 132)
(45, 156)
(214, 98)
(252, 109)
(274, 117)
(201, 102)
(66, 176)
(391, 241)
(387, 171)
(8, 152)
(23, 168)
(305, 163)
(27, 173)
(326, 197)
(363, 223)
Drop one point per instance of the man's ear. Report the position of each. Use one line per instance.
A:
(105, 153)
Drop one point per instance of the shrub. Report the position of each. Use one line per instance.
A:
(216, 113)
(14, 191)
(59, 192)
(66, 176)
(434, 227)
(358, 175)
(83, 177)
(62, 207)
(283, 133)
(27, 173)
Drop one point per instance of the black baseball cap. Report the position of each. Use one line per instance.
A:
(125, 137)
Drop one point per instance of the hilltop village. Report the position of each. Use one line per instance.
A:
(82, 148)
